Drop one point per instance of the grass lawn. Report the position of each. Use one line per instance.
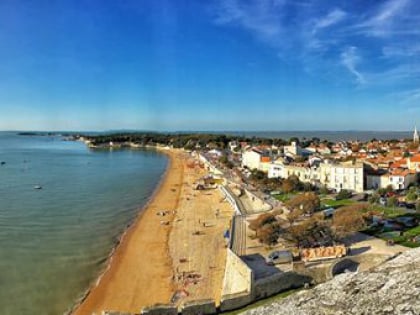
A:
(409, 244)
(263, 302)
(412, 232)
(405, 239)
(284, 197)
(326, 203)
(388, 212)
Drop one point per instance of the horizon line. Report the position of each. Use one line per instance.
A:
(202, 131)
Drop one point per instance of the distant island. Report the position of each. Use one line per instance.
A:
(44, 134)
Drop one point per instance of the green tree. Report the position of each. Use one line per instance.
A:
(374, 198)
(348, 219)
(411, 196)
(323, 190)
(418, 206)
(287, 186)
(307, 202)
(382, 191)
(309, 232)
(392, 202)
(266, 228)
(294, 139)
(307, 187)
(257, 175)
(343, 194)
(223, 159)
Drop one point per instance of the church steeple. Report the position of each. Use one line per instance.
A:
(415, 136)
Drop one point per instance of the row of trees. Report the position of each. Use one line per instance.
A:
(286, 186)
(316, 231)
(183, 140)
(267, 228)
(313, 230)
(302, 204)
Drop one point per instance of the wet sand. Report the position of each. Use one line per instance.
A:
(141, 272)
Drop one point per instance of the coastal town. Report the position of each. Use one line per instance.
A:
(210, 157)
(255, 217)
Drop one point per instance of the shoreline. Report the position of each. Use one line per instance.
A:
(95, 295)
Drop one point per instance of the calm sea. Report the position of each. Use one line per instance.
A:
(54, 241)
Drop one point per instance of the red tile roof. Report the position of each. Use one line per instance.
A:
(415, 158)
(265, 159)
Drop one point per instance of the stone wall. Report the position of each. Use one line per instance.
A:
(237, 283)
(160, 309)
(202, 307)
(235, 301)
(238, 276)
(278, 283)
(240, 287)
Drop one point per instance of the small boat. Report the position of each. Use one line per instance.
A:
(37, 187)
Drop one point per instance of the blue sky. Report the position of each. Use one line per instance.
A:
(209, 65)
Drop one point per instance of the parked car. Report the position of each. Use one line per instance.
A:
(279, 257)
(410, 206)
(328, 213)
(409, 222)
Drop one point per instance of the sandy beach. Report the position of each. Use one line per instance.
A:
(196, 243)
(155, 259)
(140, 272)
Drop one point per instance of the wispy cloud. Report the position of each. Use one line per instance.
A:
(410, 97)
(400, 73)
(389, 29)
(350, 59)
(401, 50)
(391, 18)
(331, 18)
(262, 18)
(408, 100)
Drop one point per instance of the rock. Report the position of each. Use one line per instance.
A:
(391, 288)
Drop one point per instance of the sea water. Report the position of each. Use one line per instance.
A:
(54, 241)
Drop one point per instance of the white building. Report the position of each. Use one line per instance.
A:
(256, 159)
(398, 179)
(334, 176)
(415, 136)
(233, 145)
(376, 181)
(401, 179)
(413, 163)
(324, 150)
(251, 158)
(276, 170)
(342, 176)
(292, 150)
